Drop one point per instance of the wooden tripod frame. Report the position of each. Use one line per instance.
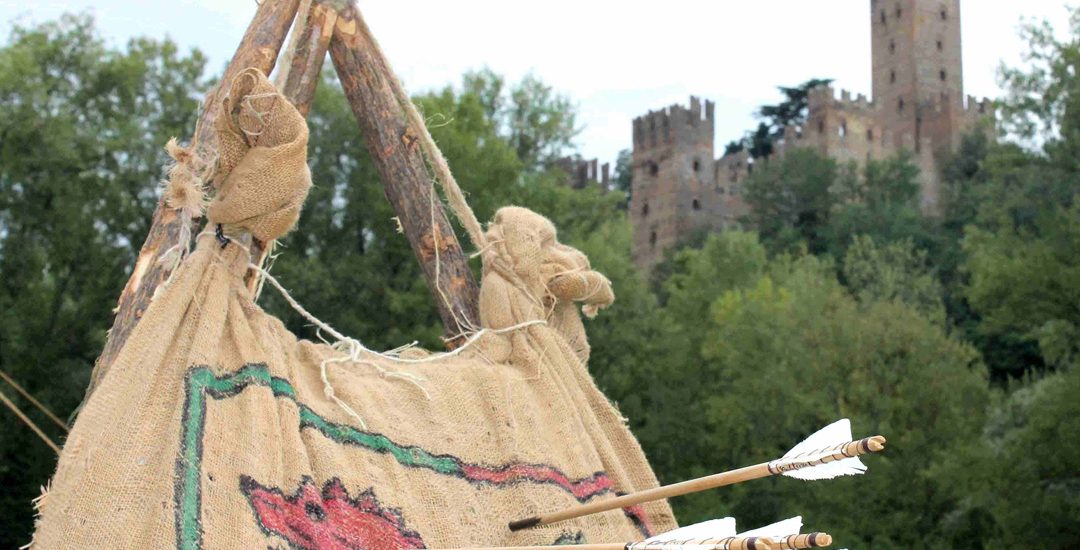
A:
(333, 26)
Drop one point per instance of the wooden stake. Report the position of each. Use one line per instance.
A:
(259, 48)
(407, 184)
(298, 78)
(765, 469)
(29, 423)
(306, 60)
(22, 391)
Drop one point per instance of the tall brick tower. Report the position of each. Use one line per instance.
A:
(674, 191)
(917, 72)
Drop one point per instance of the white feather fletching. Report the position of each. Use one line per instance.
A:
(790, 526)
(712, 529)
(834, 434)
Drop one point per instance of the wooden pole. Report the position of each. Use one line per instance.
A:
(300, 70)
(306, 59)
(29, 423)
(765, 469)
(259, 48)
(396, 153)
(22, 391)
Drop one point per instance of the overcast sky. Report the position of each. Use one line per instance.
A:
(616, 60)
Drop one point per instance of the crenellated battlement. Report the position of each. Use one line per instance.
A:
(824, 96)
(984, 106)
(918, 108)
(582, 173)
(675, 124)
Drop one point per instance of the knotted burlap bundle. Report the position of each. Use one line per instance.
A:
(263, 176)
(217, 428)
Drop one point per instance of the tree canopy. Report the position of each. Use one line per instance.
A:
(955, 336)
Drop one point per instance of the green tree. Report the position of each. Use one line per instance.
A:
(793, 110)
(882, 203)
(892, 272)
(82, 127)
(539, 122)
(1020, 249)
(791, 199)
(794, 351)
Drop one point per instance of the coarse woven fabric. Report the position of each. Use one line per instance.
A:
(214, 429)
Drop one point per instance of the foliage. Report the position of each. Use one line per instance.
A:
(539, 123)
(790, 199)
(792, 111)
(81, 134)
(794, 336)
(844, 301)
(895, 271)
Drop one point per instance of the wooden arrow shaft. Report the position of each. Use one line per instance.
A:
(658, 493)
(766, 469)
(726, 543)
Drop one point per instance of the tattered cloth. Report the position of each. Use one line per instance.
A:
(214, 429)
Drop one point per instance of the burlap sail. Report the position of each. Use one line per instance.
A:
(213, 428)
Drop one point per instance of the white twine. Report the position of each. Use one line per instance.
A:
(354, 352)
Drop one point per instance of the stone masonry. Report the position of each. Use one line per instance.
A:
(918, 105)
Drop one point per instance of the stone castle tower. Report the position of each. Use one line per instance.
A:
(918, 105)
(672, 170)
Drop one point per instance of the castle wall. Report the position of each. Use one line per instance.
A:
(674, 191)
(918, 106)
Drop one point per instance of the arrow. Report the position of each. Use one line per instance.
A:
(717, 534)
(828, 453)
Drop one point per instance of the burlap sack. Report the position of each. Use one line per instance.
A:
(213, 429)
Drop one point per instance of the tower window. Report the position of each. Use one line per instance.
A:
(940, 46)
(842, 131)
(942, 75)
(696, 204)
(882, 17)
(645, 210)
(697, 165)
(892, 76)
(821, 126)
(944, 14)
(869, 134)
(900, 105)
(652, 239)
(892, 46)
(899, 11)
(654, 169)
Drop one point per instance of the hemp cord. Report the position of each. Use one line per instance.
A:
(26, 420)
(22, 391)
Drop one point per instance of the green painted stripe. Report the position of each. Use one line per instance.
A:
(201, 382)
